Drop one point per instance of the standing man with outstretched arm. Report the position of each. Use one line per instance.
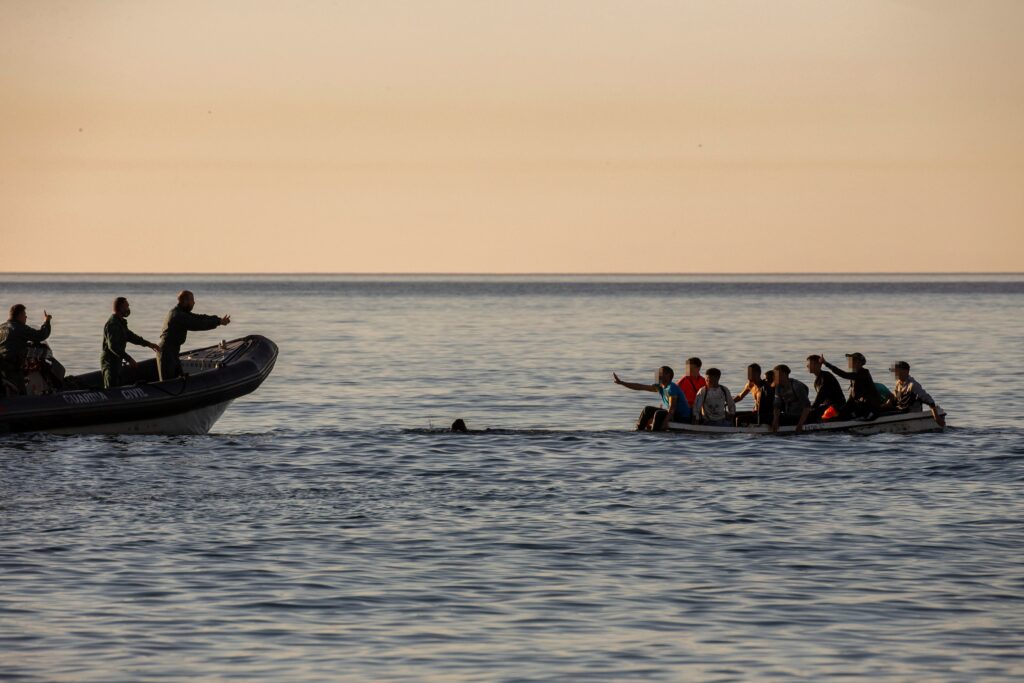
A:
(116, 336)
(15, 334)
(180, 320)
(674, 406)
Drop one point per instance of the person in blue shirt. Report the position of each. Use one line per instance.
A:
(674, 407)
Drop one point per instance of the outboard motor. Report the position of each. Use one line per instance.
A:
(43, 373)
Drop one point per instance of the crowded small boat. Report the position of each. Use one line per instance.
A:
(782, 404)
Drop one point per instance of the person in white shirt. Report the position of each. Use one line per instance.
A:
(714, 405)
(909, 395)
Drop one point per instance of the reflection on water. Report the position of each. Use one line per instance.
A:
(326, 532)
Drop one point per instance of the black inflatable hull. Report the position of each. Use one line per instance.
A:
(216, 375)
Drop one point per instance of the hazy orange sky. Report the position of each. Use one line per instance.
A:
(482, 136)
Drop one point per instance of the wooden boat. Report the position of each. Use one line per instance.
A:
(900, 423)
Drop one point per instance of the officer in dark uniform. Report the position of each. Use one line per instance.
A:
(116, 336)
(15, 334)
(179, 321)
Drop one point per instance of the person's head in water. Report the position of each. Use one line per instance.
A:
(754, 372)
(19, 314)
(121, 307)
(856, 360)
(814, 364)
(664, 375)
(901, 370)
(459, 425)
(712, 376)
(781, 376)
(693, 366)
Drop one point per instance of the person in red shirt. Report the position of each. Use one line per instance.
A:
(692, 382)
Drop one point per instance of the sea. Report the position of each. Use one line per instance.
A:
(331, 528)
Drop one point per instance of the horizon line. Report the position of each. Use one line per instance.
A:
(517, 274)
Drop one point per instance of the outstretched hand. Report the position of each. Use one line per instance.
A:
(226, 320)
(155, 347)
(823, 361)
(616, 378)
(46, 316)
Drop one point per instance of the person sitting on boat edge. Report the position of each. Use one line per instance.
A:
(116, 337)
(180, 320)
(714, 405)
(673, 401)
(760, 389)
(909, 395)
(791, 405)
(863, 400)
(828, 392)
(692, 382)
(15, 334)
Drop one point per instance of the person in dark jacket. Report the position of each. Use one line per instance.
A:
(828, 392)
(15, 334)
(116, 337)
(864, 400)
(180, 320)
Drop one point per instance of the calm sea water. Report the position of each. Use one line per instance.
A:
(328, 530)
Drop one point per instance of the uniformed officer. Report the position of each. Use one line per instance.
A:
(179, 321)
(15, 334)
(116, 336)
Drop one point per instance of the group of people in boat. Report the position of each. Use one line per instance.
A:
(778, 397)
(16, 335)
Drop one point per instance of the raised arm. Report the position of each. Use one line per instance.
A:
(842, 373)
(197, 323)
(42, 333)
(634, 385)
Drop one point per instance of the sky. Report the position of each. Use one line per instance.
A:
(512, 137)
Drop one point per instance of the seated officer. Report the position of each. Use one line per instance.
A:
(15, 334)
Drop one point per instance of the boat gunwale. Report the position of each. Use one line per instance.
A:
(814, 427)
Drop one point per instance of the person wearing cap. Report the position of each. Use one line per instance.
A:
(864, 400)
(909, 395)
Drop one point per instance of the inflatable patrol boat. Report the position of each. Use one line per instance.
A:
(214, 376)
